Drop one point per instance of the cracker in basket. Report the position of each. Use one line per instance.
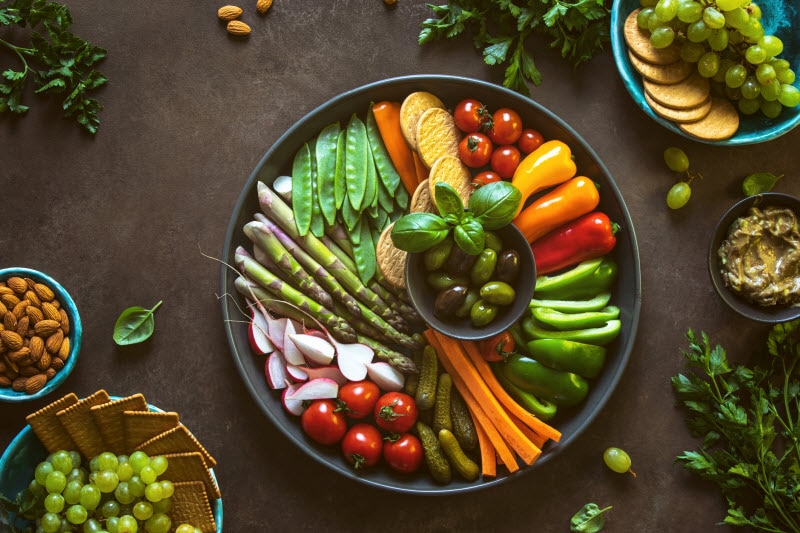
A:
(638, 41)
(391, 259)
(720, 123)
(437, 136)
(141, 426)
(190, 505)
(46, 426)
(669, 73)
(78, 421)
(191, 467)
(421, 200)
(691, 114)
(109, 420)
(413, 106)
(686, 94)
(176, 440)
(451, 170)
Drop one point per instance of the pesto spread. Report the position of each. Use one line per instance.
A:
(760, 257)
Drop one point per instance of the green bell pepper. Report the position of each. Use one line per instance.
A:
(583, 359)
(561, 321)
(561, 388)
(543, 409)
(574, 306)
(585, 280)
(601, 335)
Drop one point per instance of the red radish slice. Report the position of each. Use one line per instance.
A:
(329, 371)
(291, 351)
(385, 376)
(353, 359)
(297, 373)
(295, 407)
(275, 370)
(258, 334)
(316, 350)
(315, 389)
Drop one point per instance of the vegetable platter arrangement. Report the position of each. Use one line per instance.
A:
(389, 346)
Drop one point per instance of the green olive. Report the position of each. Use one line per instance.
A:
(498, 293)
(484, 266)
(493, 241)
(448, 301)
(472, 297)
(507, 268)
(440, 281)
(436, 256)
(482, 313)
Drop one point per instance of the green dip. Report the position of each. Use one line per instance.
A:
(760, 257)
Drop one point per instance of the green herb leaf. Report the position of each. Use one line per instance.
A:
(469, 236)
(758, 183)
(589, 519)
(494, 205)
(448, 200)
(416, 232)
(134, 325)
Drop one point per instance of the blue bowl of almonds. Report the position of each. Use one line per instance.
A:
(721, 74)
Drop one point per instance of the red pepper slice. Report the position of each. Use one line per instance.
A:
(586, 237)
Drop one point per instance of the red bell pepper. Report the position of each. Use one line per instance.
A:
(586, 237)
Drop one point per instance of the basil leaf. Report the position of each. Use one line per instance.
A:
(588, 520)
(470, 237)
(416, 232)
(495, 205)
(759, 182)
(134, 325)
(448, 201)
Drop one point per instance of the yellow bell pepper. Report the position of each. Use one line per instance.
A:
(548, 165)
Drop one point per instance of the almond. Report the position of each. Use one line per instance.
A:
(228, 13)
(64, 321)
(63, 352)
(10, 300)
(44, 292)
(9, 321)
(57, 363)
(46, 327)
(31, 297)
(44, 362)
(19, 309)
(19, 356)
(22, 326)
(17, 284)
(237, 27)
(11, 339)
(5, 381)
(262, 6)
(28, 371)
(50, 312)
(35, 383)
(53, 342)
(19, 384)
(50, 373)
(34, 314)
(36, 346)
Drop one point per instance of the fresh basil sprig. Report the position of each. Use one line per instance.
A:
(136, 324)
(490, 207)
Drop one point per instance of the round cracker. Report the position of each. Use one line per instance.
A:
(421, 200)
(450, 169)
(638, 41)
(391, 260)
(437, 135)
(691, 114)
(688, 93)
(670, 73)
(720, 123)
(413, 106)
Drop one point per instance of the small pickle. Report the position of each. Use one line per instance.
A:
(484, 267)
(448, 302)
(507, 268)
(482, 313)
(498, 293)
(436, 256)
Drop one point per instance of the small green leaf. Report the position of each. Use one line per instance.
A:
(469, 236)
(135, 325)
(448, 201)
(758, 183)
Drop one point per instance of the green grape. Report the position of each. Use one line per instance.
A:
(755, 54)
(735, 76)
(138, 460)
(107, 461)
(771, 44)
(55, 481)
(93, 464)
(753, 29)
(158, 523)
(691, 52)
(153, 492)
(127, 524)
(698, 31)
(111, 524)
(653, 23)
(160, 463)
(107, 481)
(771, 91)
(72, 492)
(77, 514)
(137, 486)
(678, 195)
(124, 493)
(185, 528)
(90, 497)
(92, 525)
(666, 10)
(713, 18)
(689, 11)
(62, 461)
(771, 108)
(765, 74)
(779, 63)
(617, 460)
(41, 472)
(708, 65)
(76, 458)
(662, 37)
(648, 3)
(164, 505)
(731, 93)
(789, 95)
(749, 106)
(643, 17)
(727, 5)
(754, 10)
(111, 507)
(54, 503)
(78, 473)
(143, 510)
(718, 40)
(785, 76)
(50, 522)
(724, 65)
(736, 18)
(751, 88)
(735, 37)
(124, 471)
(676, 159)
(167, 488)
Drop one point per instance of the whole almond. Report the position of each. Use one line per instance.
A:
(19, 356)
(64, 320)
(57, 363)
(10, 321)
(50, 312)
(3, 308)
(35, 383)
(31, 297)
(239, 28)
(19, 384)
(228, 13)
(36, 346)
(28, 371)
(262, 6)
(46, 327)
(44, 292)
(50, 373)
(63, 352)
(53, 343)
(44, 362)
(10, 300)
(11, 339)
(17, 284)
(19, 309)
(5, 381)
(22, 326)
(34, 314)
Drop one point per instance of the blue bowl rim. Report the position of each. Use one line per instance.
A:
(75, 334)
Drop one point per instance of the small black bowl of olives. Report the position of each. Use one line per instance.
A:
(473, 297)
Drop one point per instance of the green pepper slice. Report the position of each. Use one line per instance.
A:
(574, 306)
(585, 280)
(543, 409)
(599, 336)
(561, 388)
(561, 321)
(584, 359)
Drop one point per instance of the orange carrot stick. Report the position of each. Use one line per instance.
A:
(387, 117)
(420, 168)
(488, 453)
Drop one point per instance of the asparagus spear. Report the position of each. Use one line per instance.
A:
(262, 237)
(400, 361)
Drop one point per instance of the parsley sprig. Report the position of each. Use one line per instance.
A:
(749, 420)
(58, 60)
(579, 29)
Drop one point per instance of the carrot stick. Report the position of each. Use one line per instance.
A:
(534, 437)
(387, 117)
(488, 453)
(536, 424)
(420, 168)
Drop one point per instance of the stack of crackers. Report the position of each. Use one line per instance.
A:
(675, 90)
(97, 424)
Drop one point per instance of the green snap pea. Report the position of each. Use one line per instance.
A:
(562, 321)
(339, 180)
(574, 306)
(482, 313)
(383, 163)
(317, 226)
(599, 336)
(498, 293)
(356, 150)
(302, 190)
(483, 268)
(326, 148)
(364, 254)
(370, 200)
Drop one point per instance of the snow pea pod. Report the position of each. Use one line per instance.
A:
(327, 144)
(356, 157)
(302, 189)
(583, 359)
(561, 321)
(574, 306)
(561, 388)
(585, 280)
(543, 409)
(383, 163)
(599, 336)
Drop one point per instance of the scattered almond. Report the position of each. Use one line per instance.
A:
(239, 28)
(228, 13)
(262, 6)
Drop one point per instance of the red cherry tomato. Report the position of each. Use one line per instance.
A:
(362, 445)
(403, 453)
(505, 160)
(396, 412)
(506, 126)
(323, 423)
(485, 178)
(497, 347)
(358, 398)
(475, 150)
(530, 140)
(470, 115)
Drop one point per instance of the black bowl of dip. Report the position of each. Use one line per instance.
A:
(754, 258)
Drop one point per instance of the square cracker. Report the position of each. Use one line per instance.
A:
(176, 440)
(191, 467)
(108, 417)
(78, 421)
(141, 426)
(190, 505)
(48, 428)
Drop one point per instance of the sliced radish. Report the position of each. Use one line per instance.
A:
(315, 389)
(295, 407)
(329, 371)
(258, 333)
(291, 351)
(283, 186)
(353, 359)
(297, 373)
(275, 370)
(385, 376)
(316, 350)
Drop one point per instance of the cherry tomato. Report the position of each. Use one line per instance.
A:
(506, 126)
(505, 160)
(470, 115)
(497, 347)
(475, 150)
(358, 398)
(403, 453)
(396, 412)
(529, 141)
(323, 423)
(485, 178)
(362, 445)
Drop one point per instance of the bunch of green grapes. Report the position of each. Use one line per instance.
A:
(115, 494)
(726, 39)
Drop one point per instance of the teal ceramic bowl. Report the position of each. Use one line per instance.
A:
(7, 394)
(779, 17)
(19, 461)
